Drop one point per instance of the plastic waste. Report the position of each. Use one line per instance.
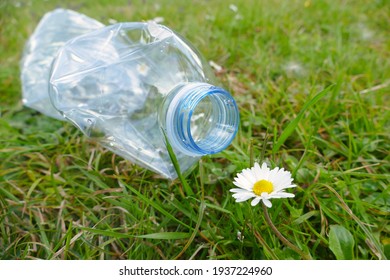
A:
(126, 85)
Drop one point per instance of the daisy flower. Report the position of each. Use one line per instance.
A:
(262, 183)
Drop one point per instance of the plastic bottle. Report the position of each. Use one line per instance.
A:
(125, 84)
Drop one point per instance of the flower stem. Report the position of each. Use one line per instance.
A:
(282, 238)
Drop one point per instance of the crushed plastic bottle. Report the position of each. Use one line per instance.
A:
(125, 85)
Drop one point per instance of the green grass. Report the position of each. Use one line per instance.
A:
(63, 196)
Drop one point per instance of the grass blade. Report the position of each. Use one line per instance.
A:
(202, 207)
(175, 163)
(166, 235)
(155, 205)
(158, 235)
(293, 124)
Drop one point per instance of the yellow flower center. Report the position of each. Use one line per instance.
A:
(262, 186)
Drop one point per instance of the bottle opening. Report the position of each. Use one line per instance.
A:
(204, 119)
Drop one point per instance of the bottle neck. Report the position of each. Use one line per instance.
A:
(199, 118)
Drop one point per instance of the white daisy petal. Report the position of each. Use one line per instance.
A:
(282, 195)
(240, 184)
(281, 179)
(257, 171)
(240, 191)
(279, 185)
(242, 194)
(249, 176)
(267, 203)
(288, 186)
(243, 180)
(242, 198)
(255, 201)
(273, 175)
(265, 195)
(264, 167)
(266, 172)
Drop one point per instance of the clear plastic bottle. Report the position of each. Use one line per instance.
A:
(126, 83)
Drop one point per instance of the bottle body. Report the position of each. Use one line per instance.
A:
(54, 30)
(127, 84)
